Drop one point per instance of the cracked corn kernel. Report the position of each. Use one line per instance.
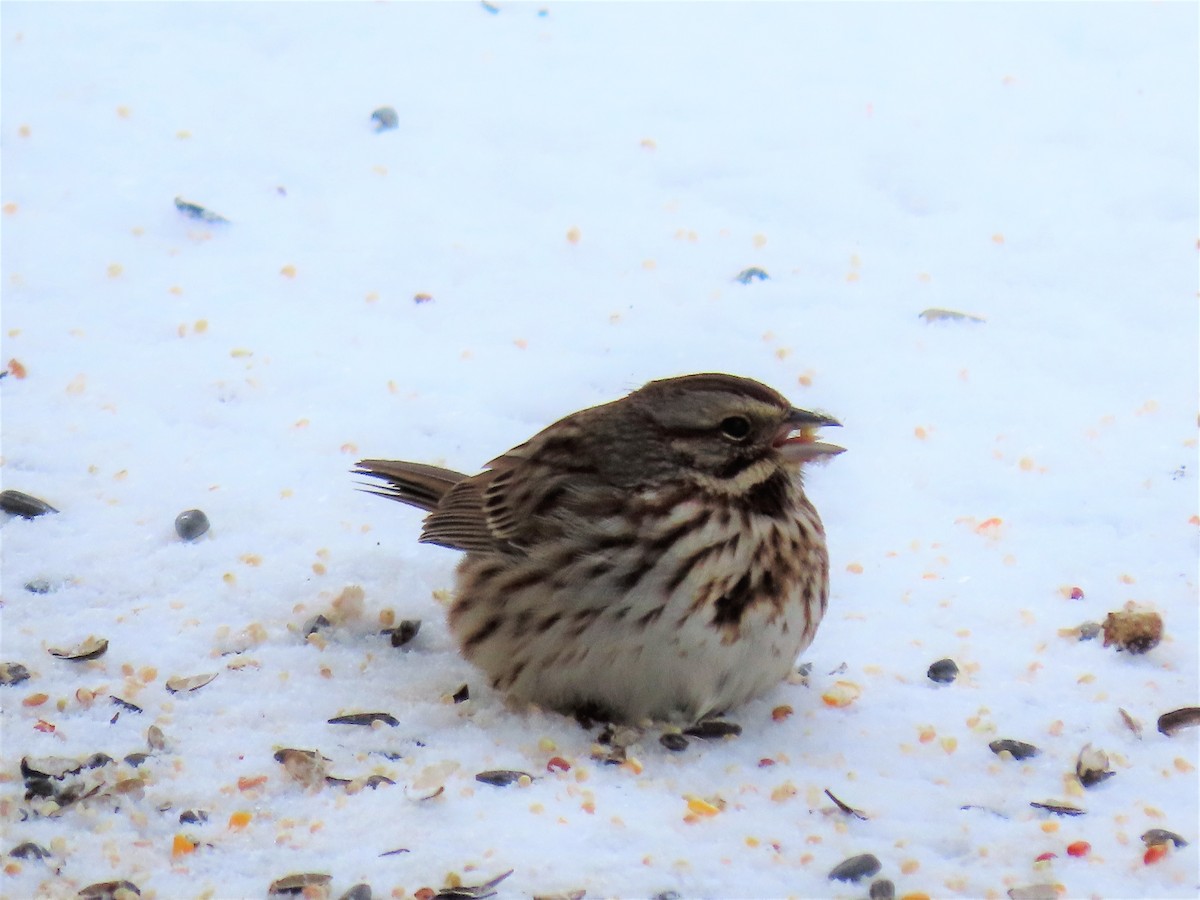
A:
(841, 693)
(1154, 853)
(785, 791)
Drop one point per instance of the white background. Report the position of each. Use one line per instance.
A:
(576, 187)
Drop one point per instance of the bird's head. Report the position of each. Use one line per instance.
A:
(729, 427)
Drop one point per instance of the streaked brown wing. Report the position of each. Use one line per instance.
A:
(459, 521)
(520, 498)
(523, 497)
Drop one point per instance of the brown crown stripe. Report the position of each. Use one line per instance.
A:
(723, 384)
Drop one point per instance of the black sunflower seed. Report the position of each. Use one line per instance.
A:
(29, 850)
(26, 506)
(367, 718)
(385, 119)
(1178, 719)
(472, 892)
(501, 777)
(107, 890)
(1059, 809)
(404, 632)
(295, 884)
(855, 868)
(944, 671)
(674, 741)
(1162, 836)
(754, 273)
(196, 211)
(1018, 749)
(714, 728)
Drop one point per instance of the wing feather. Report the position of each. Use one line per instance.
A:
(520, 497)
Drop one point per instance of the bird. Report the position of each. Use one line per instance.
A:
(650, 559)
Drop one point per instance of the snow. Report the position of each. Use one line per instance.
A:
(576, 188)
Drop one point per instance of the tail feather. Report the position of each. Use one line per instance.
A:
(416, 484)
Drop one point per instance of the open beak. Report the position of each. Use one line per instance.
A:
(797, 441)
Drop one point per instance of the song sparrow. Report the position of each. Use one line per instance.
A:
(650, 558)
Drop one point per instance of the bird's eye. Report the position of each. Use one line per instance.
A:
(736, 427)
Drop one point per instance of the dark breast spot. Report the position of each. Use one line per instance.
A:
(731, 605)
(617, 541)
(626, 581)
(770, 498)
(651, 617)
(667, 540)
(767, 585)
(509, 678)
(489, 571)
(522, 580)
(489, 628)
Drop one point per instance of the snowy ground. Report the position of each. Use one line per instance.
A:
(574, 189)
